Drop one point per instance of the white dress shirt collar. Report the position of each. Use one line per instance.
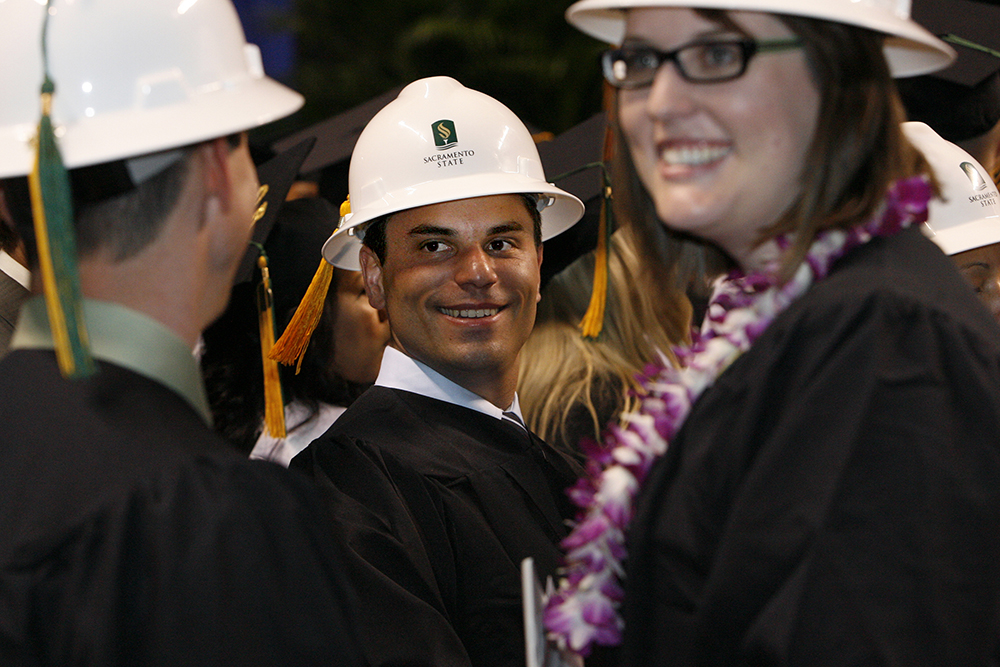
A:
(13, 268)
(399, 371)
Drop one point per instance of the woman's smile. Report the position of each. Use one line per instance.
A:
(720, 160)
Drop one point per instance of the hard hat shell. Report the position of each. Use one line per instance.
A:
(439, 141)
(909, 49)
(967, 215)
(131, 77)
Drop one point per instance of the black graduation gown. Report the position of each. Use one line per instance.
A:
(439, 504)
(131, 535)
(834, 499)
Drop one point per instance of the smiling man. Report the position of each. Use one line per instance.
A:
(433, 482)
(460, 286)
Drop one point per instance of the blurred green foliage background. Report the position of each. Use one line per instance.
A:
(521, 52)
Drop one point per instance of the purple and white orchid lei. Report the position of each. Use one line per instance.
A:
(583, 610)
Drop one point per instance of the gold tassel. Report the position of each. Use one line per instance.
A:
(274, 404)
(291, 347)
(52, 210)
(593, 320)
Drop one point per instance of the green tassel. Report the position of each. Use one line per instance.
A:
(52, 208)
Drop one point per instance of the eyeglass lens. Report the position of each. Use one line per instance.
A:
(635, 66)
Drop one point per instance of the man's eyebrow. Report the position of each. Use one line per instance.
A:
(506, 227)
(431, 230)
(434, 230)
(974, 265)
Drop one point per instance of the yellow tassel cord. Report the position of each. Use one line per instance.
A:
(593, 320)
(291, 347)
(274, 404)
(52, 209)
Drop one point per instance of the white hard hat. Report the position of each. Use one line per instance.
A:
(439, 141)
(909, 49)
(132, 77)
(967, 215)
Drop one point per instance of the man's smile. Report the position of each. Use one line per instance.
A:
(470, 313)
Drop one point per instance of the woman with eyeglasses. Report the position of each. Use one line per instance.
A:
(820, 483)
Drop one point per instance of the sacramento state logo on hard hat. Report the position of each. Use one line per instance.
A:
(977, 180)
(445, 135)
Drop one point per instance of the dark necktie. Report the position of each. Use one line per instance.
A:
(513, 417)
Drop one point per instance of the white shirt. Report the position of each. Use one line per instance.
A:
(399, 371)
(300, 433)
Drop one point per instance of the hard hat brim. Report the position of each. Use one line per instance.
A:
(342, 249)
(116, 136)
(563, 213)
(969, 236)
(909, 49)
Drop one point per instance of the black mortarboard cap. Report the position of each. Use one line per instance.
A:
(267, 292)
(336, 136)
(566, 159)
(963, 100)
(277, 176)
(294, 248)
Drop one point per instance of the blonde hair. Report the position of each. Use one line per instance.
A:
(570, 386)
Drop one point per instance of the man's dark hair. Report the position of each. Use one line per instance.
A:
(374, 232)
(110, 214)
(121, 225)
(126, 224)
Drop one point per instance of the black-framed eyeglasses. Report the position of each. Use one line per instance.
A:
(635, 65)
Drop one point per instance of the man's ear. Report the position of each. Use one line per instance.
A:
(538, 292)
(215, 174)
(218, 176)
(230, 177)
(371, 271)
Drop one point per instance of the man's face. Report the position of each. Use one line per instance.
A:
(981, 268)
(460, 284)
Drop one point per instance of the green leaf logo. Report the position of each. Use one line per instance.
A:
(444, 133)
(977, 180)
